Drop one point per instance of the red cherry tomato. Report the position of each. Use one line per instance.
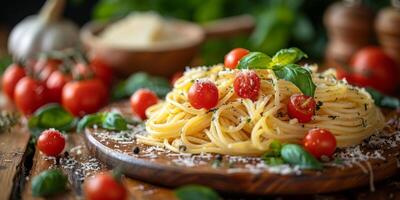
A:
(247, 85)
(51, 142)
(320, 142)
(141, 100)
(29, 95)
(176, 76)
(11, 76)
(82, 71)
(301, 107)
(102, 71)
(233, 57)
(84, 97)
(372, 67)
(55, 84)
(45, 67)
(203, 94)
(104, 187)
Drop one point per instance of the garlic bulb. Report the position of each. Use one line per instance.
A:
(42, 33)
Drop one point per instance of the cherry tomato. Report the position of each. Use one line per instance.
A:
(82, 71)
(320, 142)
(372, 67)
(102, 71)
(55, 84)
(45, 67)
(233, 57)
(141, 100)
(29, 95)
(51, 142)
(301, 107)
(103, 186)
(203, 94)
(84, 97)
(11, 76)
(176, 76)
(247, 85)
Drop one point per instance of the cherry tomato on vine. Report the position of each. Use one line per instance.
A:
(45, 67)
(11, 76)
(84, 97)
(247, 85)
(102, 71)
(141, 100)
(104, 186)
(203, 94)
(176, 76)
(301, 107)
(55, 84)
(320, 142)
(51, 142)
(29, 95)
(82, 71)
(233, 57)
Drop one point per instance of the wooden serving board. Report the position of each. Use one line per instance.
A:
(232, 174)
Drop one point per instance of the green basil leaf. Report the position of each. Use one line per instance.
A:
(383, 100)
(254, 60)
(196, 192)
(114, 121)
(51, 116)
(287, 56)
(295, 154)
(299, 76)
(48, 183)
(90, 120)
(273, 155)
(110, 121)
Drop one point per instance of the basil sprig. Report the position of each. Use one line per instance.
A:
(48, 183)
(273, 155)
(282, 63)
(295, 155)
(383, 100)
(51, 116)
(110, 121)
(196, 192)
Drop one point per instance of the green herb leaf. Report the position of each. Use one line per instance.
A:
(273, 155)
(295, 154)
(383, 100)
(51, 116)
(48, 183)
(196, 192)
(110, 121)
(159, 85)
(287, 56)
(254, 60)
(299, 76)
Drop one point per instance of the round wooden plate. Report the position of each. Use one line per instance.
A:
(232, 174)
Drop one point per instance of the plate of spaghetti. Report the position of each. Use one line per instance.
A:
(255, 124)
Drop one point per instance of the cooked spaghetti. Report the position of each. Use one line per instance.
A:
(238, 126)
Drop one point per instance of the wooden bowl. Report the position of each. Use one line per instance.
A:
(161, 60)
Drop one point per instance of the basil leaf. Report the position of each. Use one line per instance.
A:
(254, 60)
(110, 121)
(273, 155)
(51, 116)
(295, 154)
(48, 183)
(299, 76)
(114, 121)
(383, 100)
(287, 56)
(159, 85)
(196, 192)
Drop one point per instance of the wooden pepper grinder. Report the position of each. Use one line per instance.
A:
(387, 25)
(349, 25)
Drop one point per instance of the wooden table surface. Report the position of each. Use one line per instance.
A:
(19, 162)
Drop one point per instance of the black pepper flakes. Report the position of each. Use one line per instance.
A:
(182, 148)
(136, 150)
(333, 117)
(365, 107)
(319, 104)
